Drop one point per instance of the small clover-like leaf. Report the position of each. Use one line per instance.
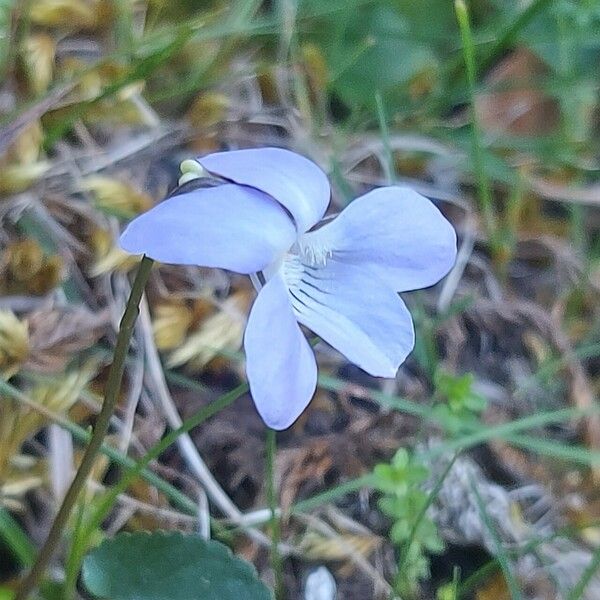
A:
(159, 565)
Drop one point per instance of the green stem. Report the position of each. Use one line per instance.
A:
(276, 563)
(483, 183)
(113, 386)
(388, 164)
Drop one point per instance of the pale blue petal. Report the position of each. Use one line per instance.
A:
(230, 227)
(393, 232)
(280, 363)
(355, 312)
(295, 182)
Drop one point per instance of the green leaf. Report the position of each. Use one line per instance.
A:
(16, 539)
(370, 49)
(159, 565)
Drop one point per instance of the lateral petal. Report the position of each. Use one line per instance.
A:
(229, 227)
(393, 232)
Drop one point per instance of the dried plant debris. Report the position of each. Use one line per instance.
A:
(56, 336)
(27, 269)
(100, 101)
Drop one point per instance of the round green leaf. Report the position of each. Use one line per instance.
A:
(160, 565)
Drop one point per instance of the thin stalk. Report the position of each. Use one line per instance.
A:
(113, 385)
(483, 182)
(388, 162)
(276, 563)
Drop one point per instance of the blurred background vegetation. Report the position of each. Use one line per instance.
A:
(493, 493)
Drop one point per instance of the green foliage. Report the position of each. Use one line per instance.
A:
(460, 405)
(16, 539)
(6, 594)
(389, 47)
(406, 503)
(154, 566)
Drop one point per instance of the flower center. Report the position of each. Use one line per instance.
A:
(314, 250)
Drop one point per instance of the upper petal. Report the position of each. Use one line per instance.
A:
(392, 231)
(280, 364)
(295, 182)
(229, 226)
(355, 312)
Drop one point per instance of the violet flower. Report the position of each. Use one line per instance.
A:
(340, 280)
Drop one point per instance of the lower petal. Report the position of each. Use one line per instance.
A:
(280, 364)
(356, 313)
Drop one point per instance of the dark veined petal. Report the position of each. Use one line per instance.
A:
(295, 182)
(281, 366)
(392, 232)
(229, 226)
(355, 312)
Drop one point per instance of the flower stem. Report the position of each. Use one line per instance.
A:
(276, 563)
(113, 385)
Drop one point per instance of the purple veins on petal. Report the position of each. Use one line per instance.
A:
(356, 313)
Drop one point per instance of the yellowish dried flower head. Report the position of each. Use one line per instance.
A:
(61, 395)
(17, 178)
(107, 256)
(48, 277)
(28, 270)
(116, 197)
(25, 258)
(64, 14)
(14, 343)
(25, 148)
(37, 57)
(220, 334)
(171, 323)
(208, 109)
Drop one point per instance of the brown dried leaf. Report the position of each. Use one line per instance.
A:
(302, 467)
(57, 335)
(516, 106)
